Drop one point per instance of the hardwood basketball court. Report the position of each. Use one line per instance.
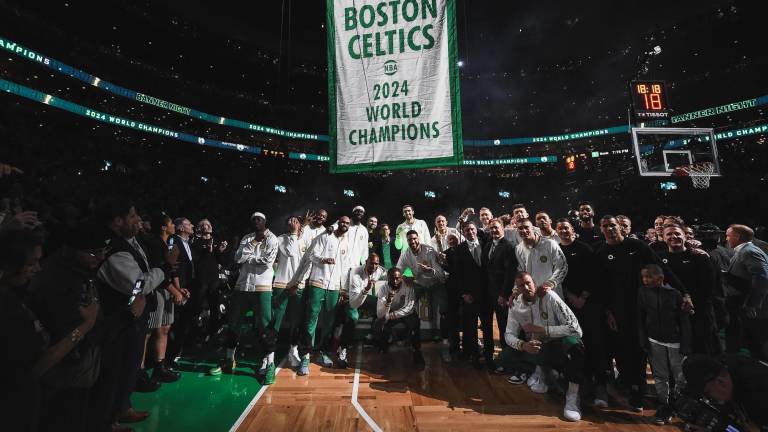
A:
(396, 397)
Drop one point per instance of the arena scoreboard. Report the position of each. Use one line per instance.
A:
(649, 100)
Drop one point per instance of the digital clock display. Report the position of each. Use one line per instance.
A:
(649, 99)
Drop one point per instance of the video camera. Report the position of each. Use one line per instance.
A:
(707, 416)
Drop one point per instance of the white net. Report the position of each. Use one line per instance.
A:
(700, 173)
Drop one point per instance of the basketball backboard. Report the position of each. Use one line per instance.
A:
(662, 152)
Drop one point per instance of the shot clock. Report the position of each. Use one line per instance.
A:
(649, 100)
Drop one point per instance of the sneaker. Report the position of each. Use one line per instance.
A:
(227, 366)
(418, 360)
(304, 367)
(445, 351)
(663, 415)
(572, 412)
(269, 376)
(601, 397)
(293, 357)
(500, 370)
(264, 365)
(145, 384)
(341, 353)
(540, 387)
(165, 375)
(325, 360)
(534, 378)
(636, 400)
(518, 378)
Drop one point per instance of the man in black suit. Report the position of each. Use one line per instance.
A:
(181, 249)
(500, 264)
(384, 246)
(470, 282)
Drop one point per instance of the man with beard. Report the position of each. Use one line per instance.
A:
(397, 305)
(329, 257)
(290, 250)
(552, 340)
(511, 233)
(500, 265)
(428, 282)
(619, 261)
(373, 232)
(359, 292)
(578, 288)
(314, 225)
(698, 276)
(541, 258)
(587, 231)
(358, 237)
(255, 255)
(410, 223)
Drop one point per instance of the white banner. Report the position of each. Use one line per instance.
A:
(393, 86)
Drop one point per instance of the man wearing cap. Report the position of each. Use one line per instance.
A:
(253, 292)
(731, 381)
(329, 257)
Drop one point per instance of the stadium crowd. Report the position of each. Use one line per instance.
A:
(97, 293)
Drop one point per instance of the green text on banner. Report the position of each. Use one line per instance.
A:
(393, 85)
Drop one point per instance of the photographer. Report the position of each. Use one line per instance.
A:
(735, 384)
(63, 297)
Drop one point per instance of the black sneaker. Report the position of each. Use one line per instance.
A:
(663, 415)
(636, 400)
(165, 375)
(145, 384)
(418, 360)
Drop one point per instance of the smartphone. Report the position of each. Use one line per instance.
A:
(138, 287)
(85, 293)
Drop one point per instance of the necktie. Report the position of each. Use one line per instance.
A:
(490, 252)
(476, 253)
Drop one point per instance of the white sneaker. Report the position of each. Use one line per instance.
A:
(540, 387)
(601, 397)
(572, 412)
(325, 359)
(293, 357)
(534, 378)
(445, 351)
(264, 365)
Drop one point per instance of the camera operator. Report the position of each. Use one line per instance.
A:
(63, 296)
(735, 384)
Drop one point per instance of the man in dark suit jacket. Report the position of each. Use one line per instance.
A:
(748, 273)
(384, 246)
(471, 283)
(182, 250)
(500, 264)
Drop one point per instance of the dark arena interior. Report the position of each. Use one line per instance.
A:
(205, 205)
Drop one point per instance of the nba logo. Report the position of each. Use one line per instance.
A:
(390, 67)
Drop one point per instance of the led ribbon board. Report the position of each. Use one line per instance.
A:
(66, 105)
(87, 78)
(393, 86)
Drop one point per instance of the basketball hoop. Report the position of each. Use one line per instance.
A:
(699, 172)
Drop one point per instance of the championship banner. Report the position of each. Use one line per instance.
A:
(393, 85)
